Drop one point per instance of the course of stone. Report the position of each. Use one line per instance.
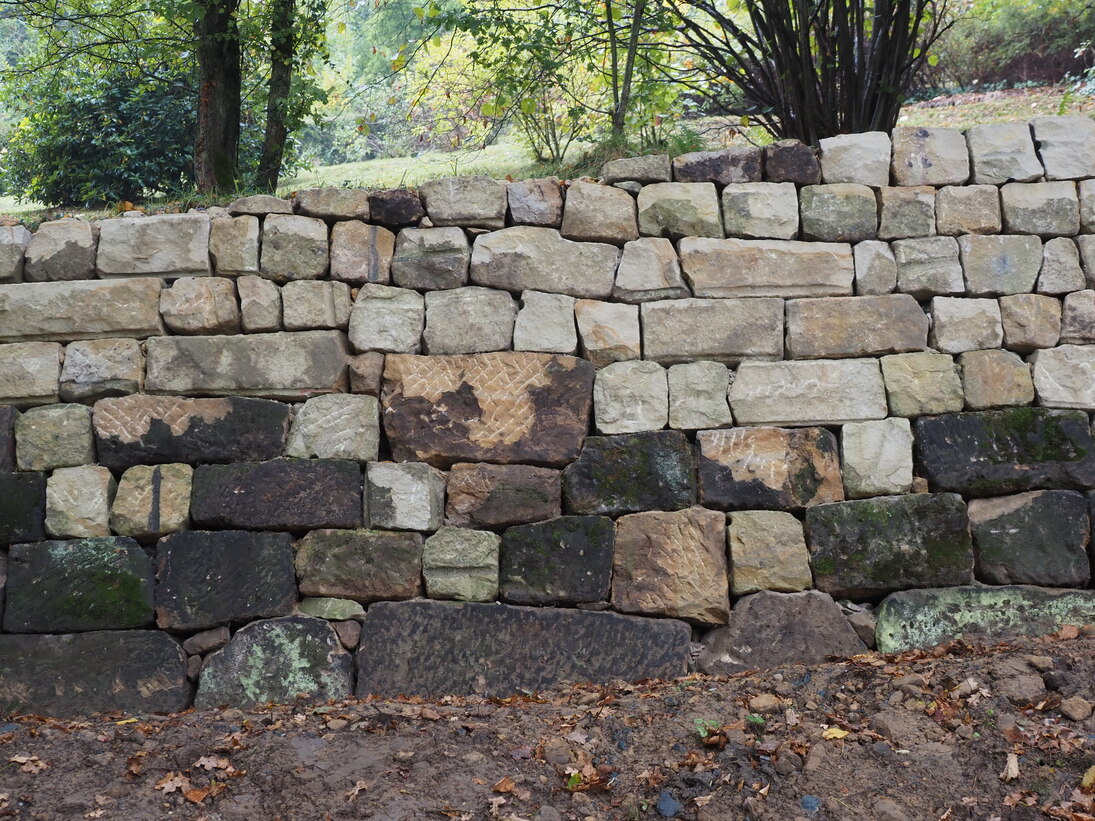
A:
(488, 436)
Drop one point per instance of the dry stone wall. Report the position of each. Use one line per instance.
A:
(732, 408)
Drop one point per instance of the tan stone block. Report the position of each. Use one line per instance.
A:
(165, 245)
(965, 324)
(767, 552)
(152, 501)
(1077, 325)
(78, 502)
(599, 213)
(920, 384)
(1047, 209)
(608, 331)
(906, 212)
(201, 305)
(1030, 321)
(855, 326)
(333, 203)
(929, 156)
(361, 253)
(723, 268)
(968, 209)
(721, 330)
(95, 368)
(54, 436)
(679, 209)
(30, 373)
(293, 247)
(234, 245)
(808, 392)
(308, 305)
(260, 304)
(88, 309)
(995, 379)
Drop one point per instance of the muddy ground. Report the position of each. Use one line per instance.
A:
(962, 732)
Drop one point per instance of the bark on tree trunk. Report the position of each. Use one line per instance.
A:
(216, 147)
(282, 49)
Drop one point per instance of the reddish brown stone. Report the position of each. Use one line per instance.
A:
(791, 161)
(396, 207)
(481, 495)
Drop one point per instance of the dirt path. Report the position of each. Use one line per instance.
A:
(961, 733)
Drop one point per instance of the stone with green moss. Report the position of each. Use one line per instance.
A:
(362, 565)
(990, 453)
(867, 548)
(277, 660)
(925, 618)
(563, 561)
(73, 586)
(331, 609)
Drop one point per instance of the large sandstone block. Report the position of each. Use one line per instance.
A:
(234, 245)
(968, 209)
(396, 207)
(855, 326)
(1077, 321)
(275, 366)
(293, 247)
(1061, 272)
(1066, 146)
(434, 649)
(730, 165)
(65, 311)
(649, 169)
(30, 373)
(649, 269)
(994, 266)
(929, 156)
(767, 552)
(697, 396)
(567, 561)
(1064, 377)
(387, 319)
(470, 202)
(539, 259)
(152, 501)
(469, 320)
(856, 158)
(927, 266)
(96, 368)
(62, 250)
(54, 436)
(740, 267)
(599, 213)
(672, 564)
(361, 253)
(75, 586)
(768, 468)
(22, 507)
(496, 407)
(362, 565)
(260, 305)
(679, 209)
(78, 502)
(259, 205)
(1002, 152)
(1047, 209)
(760, 210)
(333, 203)
(842, 212)
(166, 245)
(405, 496)
(431, 258)
(545, 322)
(960, 324)
(308, 305)
(992, 379)
(815, 392)
(919, 384)
(483, 495)
(608, 331)
(201, 305)
(133, 430)
(869, 547)
(629, 397)
(535, 202)
(719, 330)
(1033, 321)
(906, 212)
(134, 671)
(994, 452)
(877, 457)
(289, 494)
(336, 426)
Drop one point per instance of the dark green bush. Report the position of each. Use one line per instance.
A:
(103, 139)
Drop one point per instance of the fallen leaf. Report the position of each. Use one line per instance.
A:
(210, 763)
(126, 721)
(172, 782)
(505, 785)
(1011, 769)
(195, 795)
(702, 800)
(496, 804)
(356, 790)
(577, 736)
(29, 763)
(1068, 631)
(834, 733)
(1087, 783)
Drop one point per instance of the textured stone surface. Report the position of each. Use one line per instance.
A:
(167, 245)
(134, 671)
(993, 452)
(1047, 209)
(993, 379)
(767, 552)
(308, 305)
(965, 324)
(629, 397)
(362, 565)
(1032, 321)
(260, 304)
(472, 202)
(78, 502)
(697, 396)
(336, 426)
(566, 561)
(855, 326)
(875, 268)
(1000, 265)
(816, 392)
(133, 430)
(499, 407)
(22, 507)
(599, 213)
(431, 258)
(877, 458)
(1002, 152)
(968, 209)
(293, 247)
(760, 210)
(54, 436)
(545, 322)
(484, 495)
(679, 209)
(1078, 319)
(75, 586)
(333, 203)
(277, 660)
(1039, 537)
(80, 310)
(277, 495)
(608, 331)
(201, 305)
(720, 330)
(1061, 271)
(870, 547)
(434, 649)
(101, 367)
(395, 207)
(791, 161)
(339, 610)
(906, 212)
(925, 618)
(1064, 377)
(631, 472)
(366, 371)
(672, 564)
(234, 245)
(469, 320)
(260, 205)
(275, 366)
(14, 240)
(748, 468)
(1066, 146)
(772, 629)
(856, 158)
(461, 564)
(535, 202)
(8, 415)
(648, 169)
(1087, 205)
(730, 165)
(843, 212)
(361, 253)
(61, 250)
(929, 156)
(918, 384)
(649, 269)
(928, 266)
(387, 319)
(152, 501)
(211, 578)
(739, 268)
(529, 258)
(405, 496)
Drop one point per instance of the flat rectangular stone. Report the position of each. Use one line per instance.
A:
(22, 507)
(1064, 377)
(30, 373)
(855, 326)
(166, 245)
(720, 330)
(816, 392)
(275, 366)
(434, 649)
(524, 258)
(493, 407)
(783, 268)
(84, 309)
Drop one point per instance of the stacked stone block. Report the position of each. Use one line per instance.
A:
(408, 441)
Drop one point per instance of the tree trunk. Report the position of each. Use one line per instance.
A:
(282, 50)
(216, 147)
(619, 113)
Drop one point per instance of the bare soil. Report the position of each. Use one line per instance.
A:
(961, 732)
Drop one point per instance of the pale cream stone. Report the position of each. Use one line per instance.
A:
(921, 384)
(767, 552)
(630, 397)
(608, 332)
(877, 458)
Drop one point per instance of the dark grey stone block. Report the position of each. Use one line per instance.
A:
(567, 560)
(22, 507)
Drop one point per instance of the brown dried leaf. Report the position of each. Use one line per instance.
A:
(172, 782)
(505, 785)
(1011, 769)
(195, 795)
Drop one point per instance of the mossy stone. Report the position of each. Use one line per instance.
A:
(563, 561)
